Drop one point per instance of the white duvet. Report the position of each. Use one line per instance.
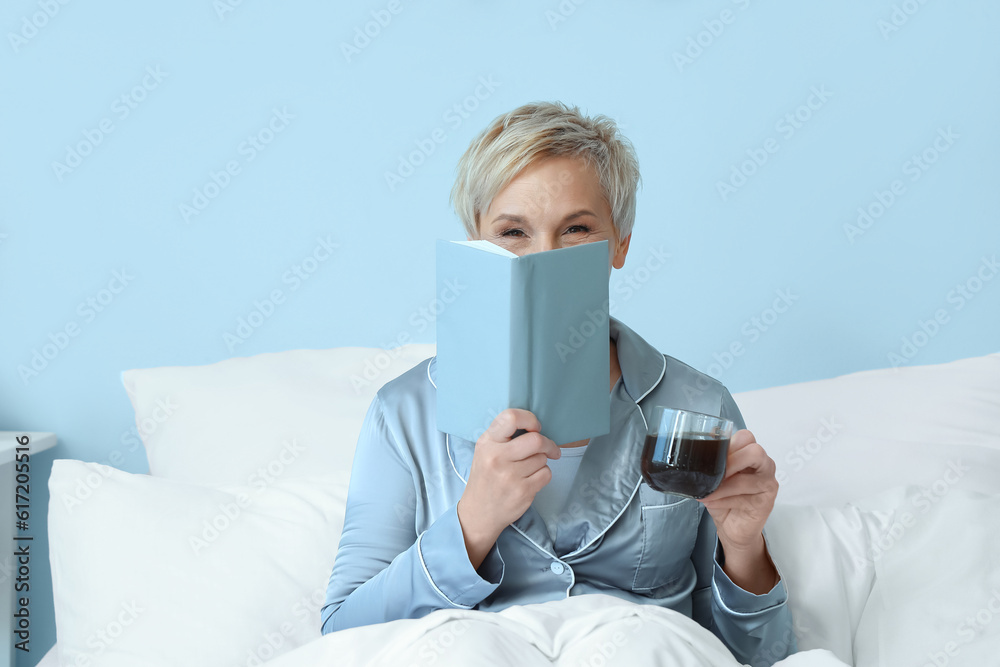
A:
(581, 631)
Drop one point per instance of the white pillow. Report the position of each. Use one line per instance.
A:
(153, 572)
(937, 599)
(823, 555)
(285, 414)
(838, 440)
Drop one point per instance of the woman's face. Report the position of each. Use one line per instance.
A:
(555, 203)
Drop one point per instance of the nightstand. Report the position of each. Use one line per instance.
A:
(37, 442)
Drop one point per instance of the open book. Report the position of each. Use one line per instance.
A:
(525, 332)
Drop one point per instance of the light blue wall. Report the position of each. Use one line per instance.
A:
(893, 77)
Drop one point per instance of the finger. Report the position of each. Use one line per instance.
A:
(532, 443)
(529, 466)
(539, 478)
(741, 439)
(744, 484)
(751, 458)
(756, 502)
(505, 425)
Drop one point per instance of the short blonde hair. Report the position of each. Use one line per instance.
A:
(532, 132)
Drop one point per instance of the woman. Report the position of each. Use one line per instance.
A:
(434, 521)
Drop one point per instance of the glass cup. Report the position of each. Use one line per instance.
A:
(685, 452)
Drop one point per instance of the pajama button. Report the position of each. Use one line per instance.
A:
(556, 567)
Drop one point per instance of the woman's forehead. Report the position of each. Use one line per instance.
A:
(568, 183)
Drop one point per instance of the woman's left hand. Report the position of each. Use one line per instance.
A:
(744, 499)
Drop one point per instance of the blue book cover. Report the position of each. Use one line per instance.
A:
(525, 332)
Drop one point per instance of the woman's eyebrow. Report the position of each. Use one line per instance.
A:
(521, 220)
(578, 214)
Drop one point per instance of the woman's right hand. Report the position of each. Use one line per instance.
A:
(505, 475)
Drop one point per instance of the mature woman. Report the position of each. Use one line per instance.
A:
(434, 521)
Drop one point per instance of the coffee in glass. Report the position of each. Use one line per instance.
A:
(685, 452)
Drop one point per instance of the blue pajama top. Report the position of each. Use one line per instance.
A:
(402, 552)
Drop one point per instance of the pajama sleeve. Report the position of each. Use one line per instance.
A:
(756, 628)
(384, 569)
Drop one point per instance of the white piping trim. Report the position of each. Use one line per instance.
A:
(630, 498)
(662, 371)
(447, 437)
(612, 522)
(503, 563)
(429, 374)
(420, 553)
(572, 579)
(525, 536)
(656, 507)
(451, 459)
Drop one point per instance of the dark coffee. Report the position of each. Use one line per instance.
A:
(694, 469)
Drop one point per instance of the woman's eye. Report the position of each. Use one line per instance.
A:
(517, 233)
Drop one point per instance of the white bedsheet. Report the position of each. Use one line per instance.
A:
(591, 630)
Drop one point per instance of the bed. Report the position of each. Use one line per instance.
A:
(886, 528)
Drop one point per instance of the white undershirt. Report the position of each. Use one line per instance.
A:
(551, 499)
